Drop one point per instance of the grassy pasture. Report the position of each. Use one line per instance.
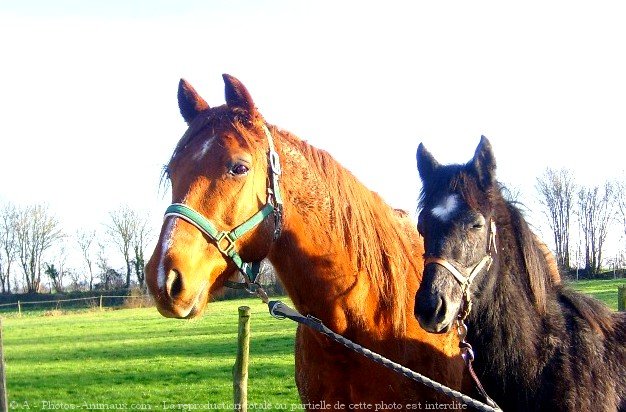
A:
(137, 359)
(604, 290)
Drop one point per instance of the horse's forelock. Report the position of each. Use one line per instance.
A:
(221, 117)
(455, 179)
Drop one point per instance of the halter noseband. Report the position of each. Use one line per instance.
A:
(462, 276)
(225, 240)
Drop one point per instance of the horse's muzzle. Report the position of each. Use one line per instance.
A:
(431, 312)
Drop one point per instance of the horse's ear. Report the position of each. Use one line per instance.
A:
(484, 163)
(189, 101)
(426, 163)
(237, 96)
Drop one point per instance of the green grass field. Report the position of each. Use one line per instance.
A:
(604, 290)
(138, 359)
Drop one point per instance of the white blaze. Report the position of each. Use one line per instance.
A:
(206, 146)
(165, 245)
(444, 210)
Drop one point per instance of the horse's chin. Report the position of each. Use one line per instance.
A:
(444, 328)
(186, 310)
(439, 328)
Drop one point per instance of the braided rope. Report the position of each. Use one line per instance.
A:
(281, 311)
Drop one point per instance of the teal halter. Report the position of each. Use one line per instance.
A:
(225, 240)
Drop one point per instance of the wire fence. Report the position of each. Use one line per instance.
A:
(98, 301)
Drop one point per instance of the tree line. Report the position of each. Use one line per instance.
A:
(34, 247)
(581, 217)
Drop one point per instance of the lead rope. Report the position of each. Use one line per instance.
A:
(281, 311)
(467, 353)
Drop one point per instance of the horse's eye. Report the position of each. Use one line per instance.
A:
(478, 223)
(239, 170)
(475, 221)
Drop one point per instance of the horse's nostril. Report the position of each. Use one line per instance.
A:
(174, 284)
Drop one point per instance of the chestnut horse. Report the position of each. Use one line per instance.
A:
(343, 255)
(540, 346)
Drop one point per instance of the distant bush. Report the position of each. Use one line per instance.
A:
(138, 298)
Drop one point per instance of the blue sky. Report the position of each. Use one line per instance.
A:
(88, 90)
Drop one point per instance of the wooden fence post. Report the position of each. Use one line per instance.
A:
(4, 406)
(19, 308)
(100, 303)
(621, 298)
(240, 370)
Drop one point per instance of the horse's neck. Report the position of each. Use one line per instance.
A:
(312, 260)
(316, 282)
(504, 323)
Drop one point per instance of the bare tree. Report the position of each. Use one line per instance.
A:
(56, 276)
(36, 231)
(76, 277)
(85, 241)
(8, 244)
(142, 236)
(121, 231)
(103, 266)
(556, 190)
(269, 278)
(596, 209)
(620, 200)
(57, 272)
(267, 273)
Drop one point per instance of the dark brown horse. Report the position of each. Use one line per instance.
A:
(343, 255)
(540, 346)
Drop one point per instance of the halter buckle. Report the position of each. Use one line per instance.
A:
(230, 244)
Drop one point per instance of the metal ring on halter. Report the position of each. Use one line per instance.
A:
(275, 162)
(461, 329)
